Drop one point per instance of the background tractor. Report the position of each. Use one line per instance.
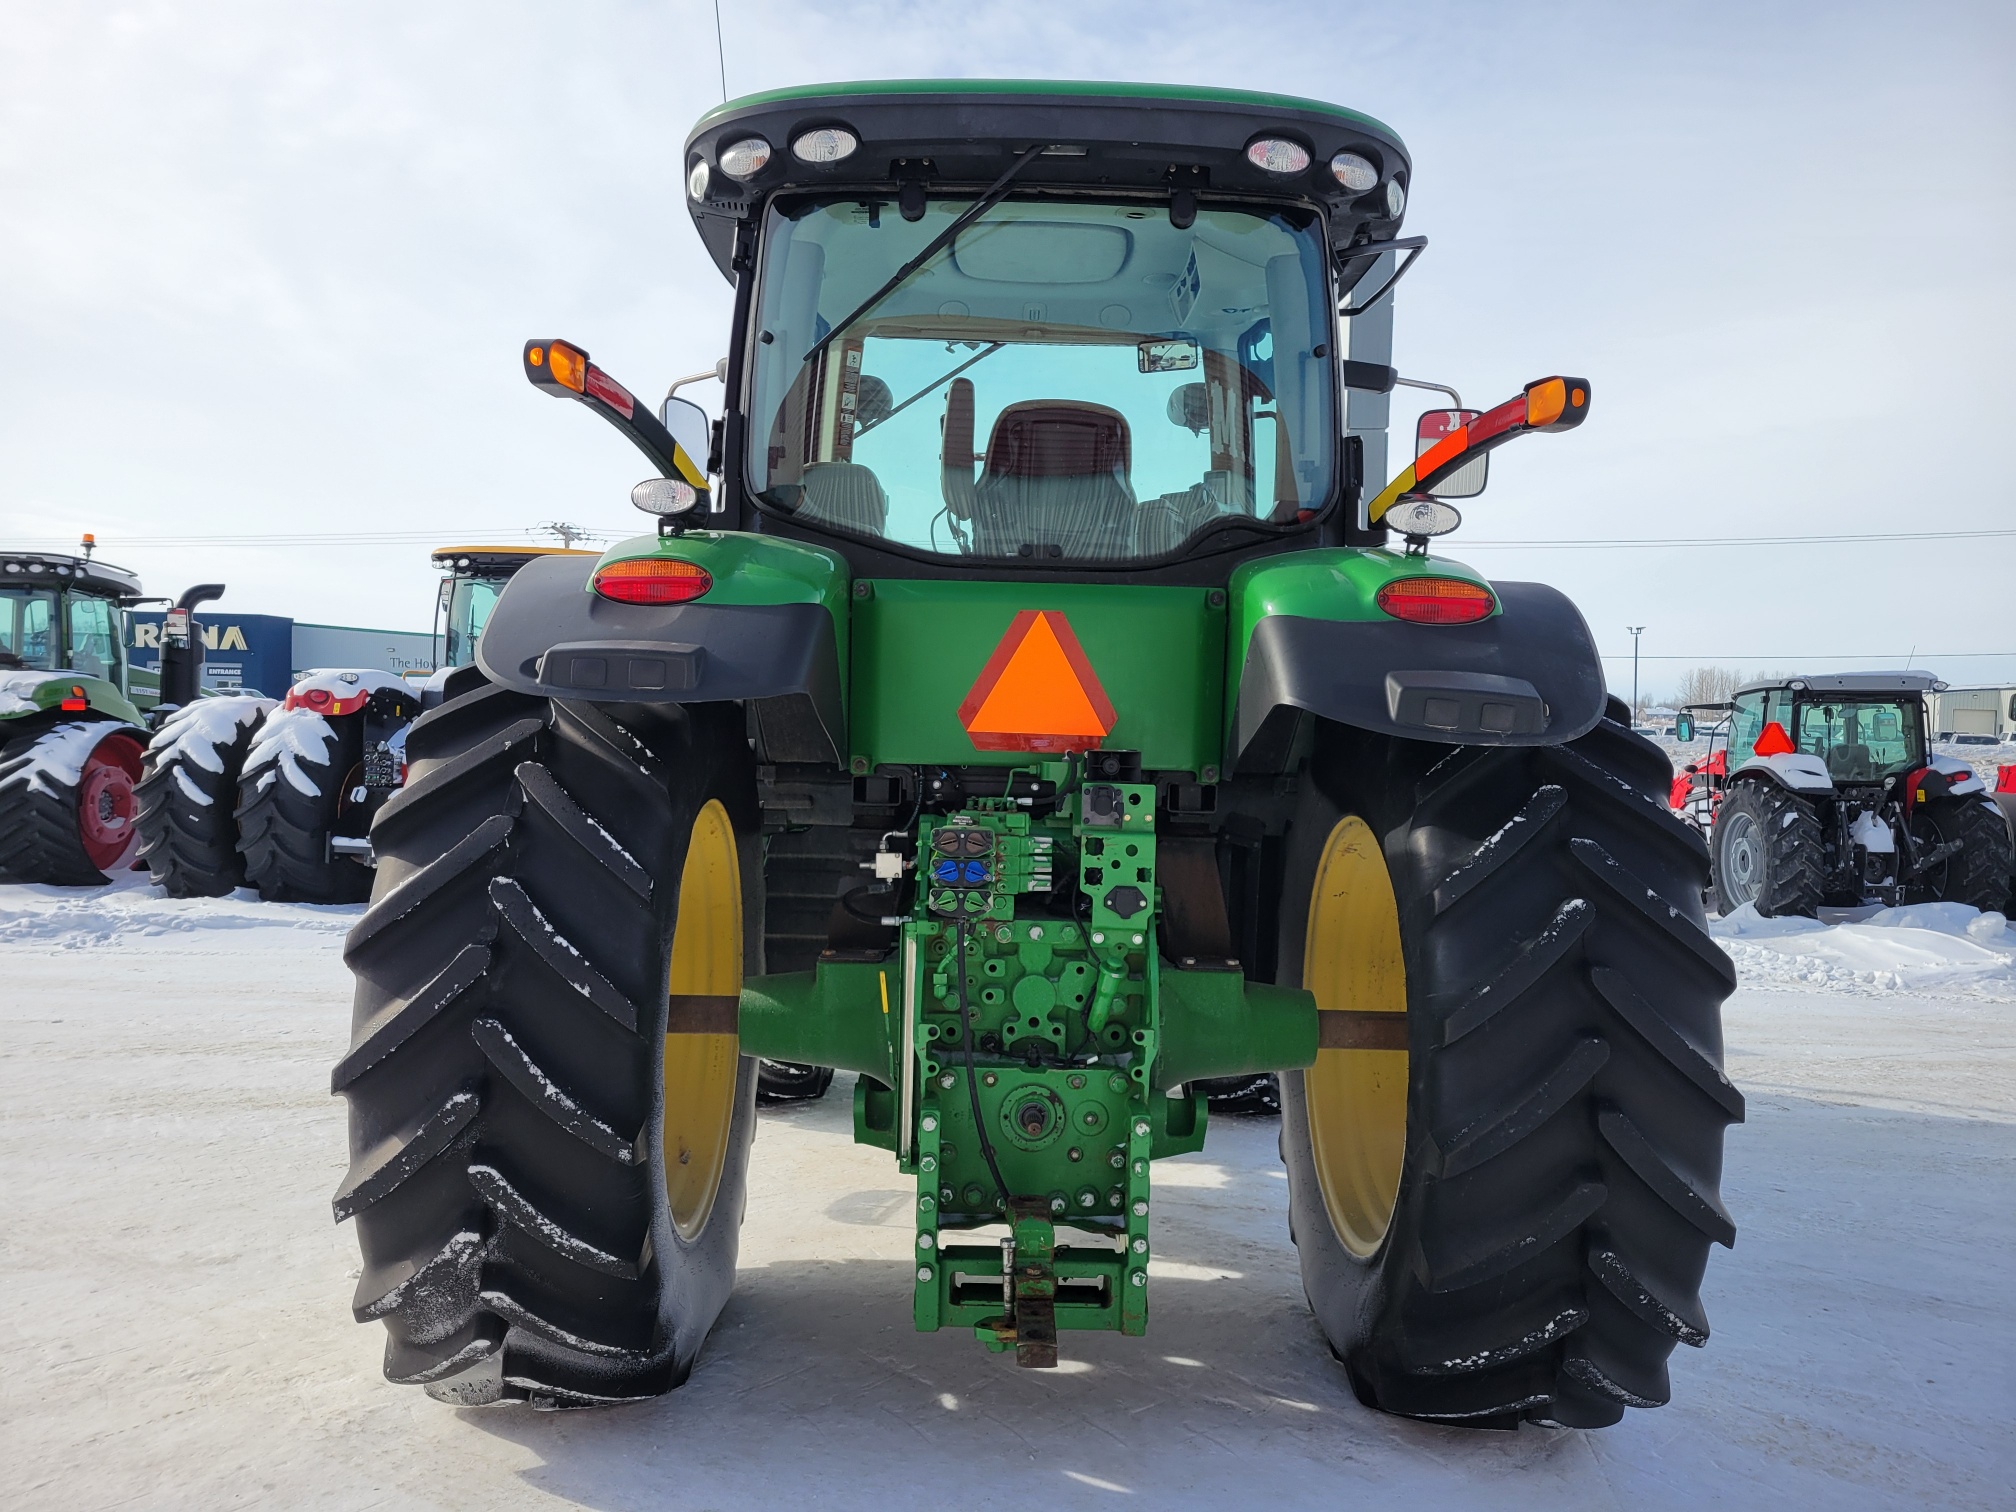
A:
(1823, 790)
(279, 795)
(1032, 614)
(73, 712)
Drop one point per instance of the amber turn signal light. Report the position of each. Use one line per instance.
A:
(1556, 403)
(1436, 600)
(653, 580)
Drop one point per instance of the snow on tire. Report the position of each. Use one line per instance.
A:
(188, 796)
(289, 796)
(67, 803)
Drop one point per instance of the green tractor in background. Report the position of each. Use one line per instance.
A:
(1031, 637)
(74, 714)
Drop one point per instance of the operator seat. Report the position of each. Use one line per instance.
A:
(845, 495)
(1851, 763)
(1056, 475)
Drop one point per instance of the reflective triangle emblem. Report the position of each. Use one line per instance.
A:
(1038, 691)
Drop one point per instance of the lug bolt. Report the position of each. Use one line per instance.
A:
(1056, 1204)
(1116, 1160)
(1088, 1198)
(1035, 931)
(930, 1123)
(926, 1203)
(1140, 1168)
(1076, 1083)
(1140, 1246)
(925, 1241)
(1141, 1127)
(1099, 937)
(928, 1163)
(923, 1273)
(1113, 1198)
(1137, 939)
(944, 1194)
(1074, 1153)
(1140, 1210)
(947, 1081)
(989, 1079)
(1137, 1278)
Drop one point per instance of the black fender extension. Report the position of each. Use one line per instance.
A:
(551, 636)
(1528, 676)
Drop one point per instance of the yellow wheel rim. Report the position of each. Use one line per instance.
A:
(700, 1068)
(1357, 1099)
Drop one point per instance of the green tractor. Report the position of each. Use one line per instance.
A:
(1036, 578)
(74, 712)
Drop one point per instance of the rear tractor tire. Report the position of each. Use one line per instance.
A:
(67, 803)
(1978, 874)
(1768, 851)
(1504, 1190)
(290, 796)
(548, 1169)
(188, 796)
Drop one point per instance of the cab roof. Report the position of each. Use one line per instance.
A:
(960, 135)
(1851, 682)
(509, 558)
(48, 569)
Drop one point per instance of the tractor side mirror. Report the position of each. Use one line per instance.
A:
(1683, 728)
(1437, 426)
(689, 426)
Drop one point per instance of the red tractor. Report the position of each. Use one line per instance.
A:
(1823, 791)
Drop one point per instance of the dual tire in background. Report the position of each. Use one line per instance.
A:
(68, 803)
(238, 792)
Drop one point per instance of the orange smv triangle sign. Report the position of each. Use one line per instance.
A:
(1038, 691)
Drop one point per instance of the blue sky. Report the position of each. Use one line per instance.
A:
(267, 270)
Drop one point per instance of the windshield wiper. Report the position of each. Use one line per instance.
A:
(996, 192)
(937, 382)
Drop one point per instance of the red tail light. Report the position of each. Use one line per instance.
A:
(76, 703)
(653, 580)
(1436, 600)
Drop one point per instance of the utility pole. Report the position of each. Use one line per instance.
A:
(567, 532)
(1636, 631)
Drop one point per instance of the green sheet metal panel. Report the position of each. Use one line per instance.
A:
(919, 647)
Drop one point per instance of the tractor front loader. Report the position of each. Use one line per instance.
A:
(1026, 705)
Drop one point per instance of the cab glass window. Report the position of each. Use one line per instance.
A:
(1862, 740)
(1069, 380)
(27, 627)
(93, 630)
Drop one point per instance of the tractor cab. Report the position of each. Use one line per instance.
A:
(1867, 730)
(473, 577)
(64, 613)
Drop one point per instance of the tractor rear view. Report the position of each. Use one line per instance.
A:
(1030, 702)
(1826, 793)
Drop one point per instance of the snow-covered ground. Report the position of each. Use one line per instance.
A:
(177, 1329)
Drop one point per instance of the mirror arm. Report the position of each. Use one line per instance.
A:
(1413, 246)
(1440, 388)
(719, 372)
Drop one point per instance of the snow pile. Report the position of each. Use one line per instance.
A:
(71, 918)
(289, 738)
(1924, 947)
(198, 735)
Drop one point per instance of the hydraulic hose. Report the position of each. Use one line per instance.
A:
(959, 929)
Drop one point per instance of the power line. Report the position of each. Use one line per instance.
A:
(1876, 658)
(1640, 543)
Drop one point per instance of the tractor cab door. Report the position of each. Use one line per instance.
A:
(93, 638)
